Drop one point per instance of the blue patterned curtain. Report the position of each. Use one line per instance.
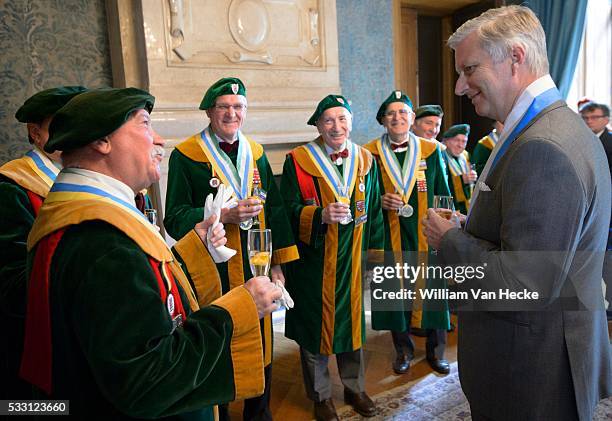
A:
(563, 23)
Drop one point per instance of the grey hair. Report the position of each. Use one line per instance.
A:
(500, 29)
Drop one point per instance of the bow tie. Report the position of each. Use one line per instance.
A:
(342, 154)
(395, 146)
(228, 147)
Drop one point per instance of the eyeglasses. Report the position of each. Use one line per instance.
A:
(403, 112)
(238, 108)
(592, 117)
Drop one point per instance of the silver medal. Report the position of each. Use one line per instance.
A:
(361, 187)
(405, 211)
(170, 304)
(246, 225)
(214, 182)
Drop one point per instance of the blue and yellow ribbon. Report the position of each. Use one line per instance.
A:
(341, 185)
(239, 177)
(457, 165)
(404, 178)
(42, 166)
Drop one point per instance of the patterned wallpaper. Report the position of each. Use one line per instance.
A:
(365, 43)
(46, 43)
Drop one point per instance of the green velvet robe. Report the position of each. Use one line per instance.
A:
(406, 234)
(481, 153)
(188, 185)
(326, 283)
(460, 191)
(115, 353)
(17, 213)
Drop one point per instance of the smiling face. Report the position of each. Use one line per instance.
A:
(227, 115)
(334, 126)
(427, 127)
(456, 144)
(134, 152)
(397, 120)
(490, 86)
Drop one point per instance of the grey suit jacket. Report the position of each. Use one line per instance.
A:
(542, 227)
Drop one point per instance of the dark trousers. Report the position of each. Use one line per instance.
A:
(255, 409)
(316, 373)
(435, 344)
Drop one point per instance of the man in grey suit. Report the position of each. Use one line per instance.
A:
(538, 223)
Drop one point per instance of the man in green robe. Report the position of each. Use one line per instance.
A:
(222, 154)
(24, 184)
(427, 122)
(411, 173)
(461, 175)
(485, 146)
(112, 322)
(331, 194)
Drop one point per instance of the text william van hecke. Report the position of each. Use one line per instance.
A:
(446, 294)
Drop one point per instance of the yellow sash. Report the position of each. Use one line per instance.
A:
(56, 214)
(24, 172)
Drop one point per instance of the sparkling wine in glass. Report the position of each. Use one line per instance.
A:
(347, 201)
(151, 215)
(472, 183)
(444, 206)
(259, 245)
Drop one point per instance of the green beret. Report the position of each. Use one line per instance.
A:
(225, 86)
(330, 101)
(427, 110)
(457, 129)
(93, 115)
(396, 96)
(46, 103)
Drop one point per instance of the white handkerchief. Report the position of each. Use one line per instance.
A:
(483, 186)
(285, 300)
(213, 207)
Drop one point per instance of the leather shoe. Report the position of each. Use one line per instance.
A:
(361, 403)
(401, 365)
(325, 411)
(441, 366)
(417, 331)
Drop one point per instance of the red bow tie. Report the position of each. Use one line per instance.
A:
(342, 154)
(395, 146)
(228, 147)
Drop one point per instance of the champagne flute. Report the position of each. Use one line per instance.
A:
(444, 206)
(472, 183)
(257, 194)
(254, 221)
(259, 246)
(347, 201)
(151, 215)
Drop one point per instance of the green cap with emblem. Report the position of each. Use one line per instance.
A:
(457, 129)
(396, 96)
(225, 86)
(46, 103)
(429, 110)
(330, 101)
(93, 115)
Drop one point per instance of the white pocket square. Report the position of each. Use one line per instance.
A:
(483, 187)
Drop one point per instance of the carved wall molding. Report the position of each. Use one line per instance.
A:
(271, 33)
(285, 51)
